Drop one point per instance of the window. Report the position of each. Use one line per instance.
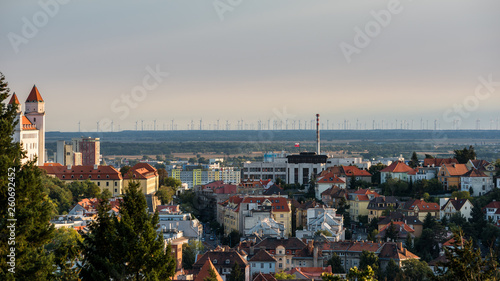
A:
(228, 261)
(214, 262)
(107, 176)
(90, 176)
(107, 183)
(98, 183)
(253, 264)
(116, 184)
(261, 265)
(116, 190)
(63, 176)
(98, 176)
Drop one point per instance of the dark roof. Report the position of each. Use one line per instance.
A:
(289, 243)
(457, 203)
(273, 190)
(263, 255)
(392, 250)
(219, 258)
(373, 205)
(398, 216)
(335, 192)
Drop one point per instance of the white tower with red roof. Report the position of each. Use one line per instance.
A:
(30, 131)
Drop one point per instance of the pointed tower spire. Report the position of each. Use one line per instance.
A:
(34, 95)
(14, 100)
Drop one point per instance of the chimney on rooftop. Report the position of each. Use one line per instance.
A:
(317, 135)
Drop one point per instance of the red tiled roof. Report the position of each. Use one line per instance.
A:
(279, 204)
(14, 100)
(83, 172)
(331, 178)
(27, 125)
(264, 277)
(311, 272)
(365, 246)
(493, 205)
(34, 95)
(392, 250)
(422, 206)
(456, 169)
(355, 171)
(141, 171)
(437, 162)
(474, 173)
(205, 271)
(397, 167)
(399, 225)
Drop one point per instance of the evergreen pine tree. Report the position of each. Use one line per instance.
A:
(29, 213)
(392, 270)
(336, 264)
(236, 273)
(212, 275)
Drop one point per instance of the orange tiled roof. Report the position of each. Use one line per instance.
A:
(365, 246)
(205, 271)
(397, 167)
(355, 171)
(27, 125)
(399, 225)
(141, 171)
(456, 169)
(34, 95)
(331, 178)
(14, 100)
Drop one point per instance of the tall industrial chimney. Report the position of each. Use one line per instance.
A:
(317, 135)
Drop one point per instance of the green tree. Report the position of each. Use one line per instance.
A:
(165, 194)
(428, 156)
(325, 276)
(372, 236)
(189, 252)
(367, 274)
(174, 183)
(414, 269)
(461, 195)
(212, 276)
(414, 160)
(236, 273)
(465, 263)
(283, 276)
(336, 264)
(390, 233)
(369, 260)
(465, 154)
(67, 252)
(31, 207)
(135, 249)
(124, 170)
(353, 183)
(375, 171)
(392, 270)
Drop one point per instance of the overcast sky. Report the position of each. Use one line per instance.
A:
(254, 60)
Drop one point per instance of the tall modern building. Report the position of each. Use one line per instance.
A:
(30, 130)
(90, 148)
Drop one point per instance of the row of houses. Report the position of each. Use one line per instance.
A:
(107, 177)
(476, 176)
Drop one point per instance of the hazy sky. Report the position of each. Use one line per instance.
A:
(239, 59)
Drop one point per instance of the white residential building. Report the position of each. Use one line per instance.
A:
(449, 207)
(476, 182)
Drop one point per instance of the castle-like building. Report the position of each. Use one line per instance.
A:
(30, 130)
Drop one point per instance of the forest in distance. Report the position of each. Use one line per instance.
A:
(367, 144)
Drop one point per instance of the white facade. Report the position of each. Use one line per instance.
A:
(302, 173)
(448, 209)
(265, 170)
(264, 267)
(348, 161)
(479, 185)
(324, 219)
(191, 228)
(30, 131)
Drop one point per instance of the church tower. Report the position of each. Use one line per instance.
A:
(17, 130)
(35, 112)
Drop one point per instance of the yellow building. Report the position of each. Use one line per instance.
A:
(358, 202)
(449, 175)
(146, 175)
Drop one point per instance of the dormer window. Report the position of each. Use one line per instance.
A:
(107, 176)
(90, 176)
(228, 261)
(214, 262)
(63, 176)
